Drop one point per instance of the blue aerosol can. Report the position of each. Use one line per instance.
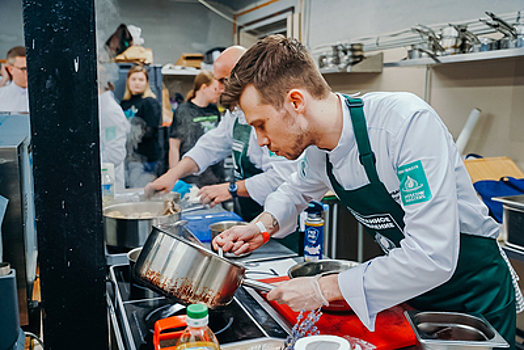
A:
(314, 232)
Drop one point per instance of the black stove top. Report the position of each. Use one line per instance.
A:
(139, 308)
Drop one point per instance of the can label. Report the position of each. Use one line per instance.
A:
(314, 240)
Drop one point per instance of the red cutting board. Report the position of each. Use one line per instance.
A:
(392, 330)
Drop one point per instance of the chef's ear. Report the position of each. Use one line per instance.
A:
(295, 100)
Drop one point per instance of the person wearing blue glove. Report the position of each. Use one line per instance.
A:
(257, 171)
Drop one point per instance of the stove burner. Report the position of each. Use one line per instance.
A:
(217, 323)
(242, 319)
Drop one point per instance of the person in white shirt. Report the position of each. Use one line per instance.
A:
(13, 96)
(390, 159)
(257, 172)
(114, 127)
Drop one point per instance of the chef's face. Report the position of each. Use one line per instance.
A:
(18, 71)
(212, 91)
(137, 83)
(279, 130)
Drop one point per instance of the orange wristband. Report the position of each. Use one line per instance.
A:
(263, 230)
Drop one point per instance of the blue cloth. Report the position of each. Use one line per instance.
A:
(182, 188)
(506, 186)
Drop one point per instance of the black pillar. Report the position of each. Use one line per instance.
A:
(61, 61)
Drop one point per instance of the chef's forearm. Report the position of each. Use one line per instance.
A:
(269, 221)
(187, 166)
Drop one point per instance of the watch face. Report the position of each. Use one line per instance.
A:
(233, 187)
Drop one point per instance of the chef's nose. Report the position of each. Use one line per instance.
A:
(262, 140)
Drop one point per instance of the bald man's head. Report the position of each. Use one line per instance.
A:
(226, 61)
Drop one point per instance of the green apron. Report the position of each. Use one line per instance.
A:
(244, 169)
(481, 283)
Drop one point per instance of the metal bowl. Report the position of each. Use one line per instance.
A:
(324, 267)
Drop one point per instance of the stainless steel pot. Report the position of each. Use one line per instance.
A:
(188, 272)
(513, 220)
(137, 291)
(324, 267)
(128, 233)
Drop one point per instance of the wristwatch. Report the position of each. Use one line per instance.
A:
(233, 188)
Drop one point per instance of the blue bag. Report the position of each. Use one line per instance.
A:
(506, 186)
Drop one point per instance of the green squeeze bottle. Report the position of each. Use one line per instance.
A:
(197, 335)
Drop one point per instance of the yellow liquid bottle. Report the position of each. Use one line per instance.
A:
(197, 335)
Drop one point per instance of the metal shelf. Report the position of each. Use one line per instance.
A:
(371, 64)
(180, 71)
(468, 57)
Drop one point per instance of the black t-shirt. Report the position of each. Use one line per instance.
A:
(190, 122)
(145, 115)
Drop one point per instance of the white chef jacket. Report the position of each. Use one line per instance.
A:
(14, 98)
(402, 129)
(217, 144)
(114, 127)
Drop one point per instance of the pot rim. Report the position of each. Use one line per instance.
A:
(114, 207)
(200, 248)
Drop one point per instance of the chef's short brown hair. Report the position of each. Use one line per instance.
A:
(274, 65)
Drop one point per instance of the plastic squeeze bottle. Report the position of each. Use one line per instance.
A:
(197, 335)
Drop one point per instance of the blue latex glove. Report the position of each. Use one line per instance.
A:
(182, 188)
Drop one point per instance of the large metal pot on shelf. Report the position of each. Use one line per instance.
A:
(127, 225)
(189, 273)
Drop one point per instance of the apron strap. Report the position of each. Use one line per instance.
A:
(367, 157)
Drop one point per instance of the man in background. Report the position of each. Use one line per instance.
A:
(258, 172)
(13, 97)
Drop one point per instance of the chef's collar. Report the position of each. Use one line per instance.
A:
(18, 89)
(347, 138)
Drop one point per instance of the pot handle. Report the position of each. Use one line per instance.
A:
(264, 287)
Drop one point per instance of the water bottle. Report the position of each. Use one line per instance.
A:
(197, 335)
(108, 188)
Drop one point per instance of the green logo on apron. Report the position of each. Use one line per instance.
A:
(414, 187)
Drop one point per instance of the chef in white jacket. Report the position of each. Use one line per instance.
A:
(390, 159)
(14, 96)
(257, 171)
(114, 128)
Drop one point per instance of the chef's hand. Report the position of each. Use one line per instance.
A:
(299, 293)
(214, 194)
(163, 184)
(240, 239)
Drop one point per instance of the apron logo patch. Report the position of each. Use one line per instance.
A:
(414, 186)
(303, 168)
